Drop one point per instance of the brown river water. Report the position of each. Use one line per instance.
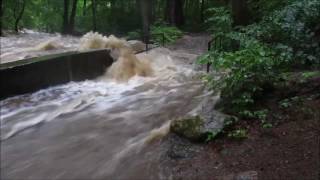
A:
(98, 129)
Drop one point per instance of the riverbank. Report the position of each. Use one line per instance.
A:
(286, 149)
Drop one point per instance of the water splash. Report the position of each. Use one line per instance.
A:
(102, 126)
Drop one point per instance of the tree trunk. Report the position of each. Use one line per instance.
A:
(84, 7)
(174, 12)
(72, 17)
(202, 9)
(65, 17)
(18, 18)
(152, 11)
(145, 8)
(1, 13)
(240, 12)
(94, 19)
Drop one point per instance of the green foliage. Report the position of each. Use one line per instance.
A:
(238, 134)
(284, 38)
(261, 114)
(112, 16)
(261, 8)
(219, 22)
(211, 136)
(307, 75)
(292, 27)
(230, 120)
(38, 14)
(288, 102)
(285, 103)
(170, 33)
(267, 125)
(134, 34)
(158, 32)
(244, 72)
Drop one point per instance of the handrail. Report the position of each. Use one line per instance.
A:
(146, 38)
(217, 45)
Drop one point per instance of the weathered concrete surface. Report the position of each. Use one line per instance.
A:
(32, 74)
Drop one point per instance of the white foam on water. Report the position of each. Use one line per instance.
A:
(118, 121)
(31, 43)
(48, 104)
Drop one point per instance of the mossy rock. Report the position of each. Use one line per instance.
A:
(199, 128)
(200, 124)
(189, 127)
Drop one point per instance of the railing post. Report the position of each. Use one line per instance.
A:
(146, 41)
(163, 39)
(209, 48)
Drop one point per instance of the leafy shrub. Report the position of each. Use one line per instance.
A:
(284, 38)
(293, 26)
(261, 8)
(134, 34)
(158, 32)
(219, 22)
(170, 33)
(243, 73)
(238, 134)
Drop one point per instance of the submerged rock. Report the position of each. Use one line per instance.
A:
(202, 122)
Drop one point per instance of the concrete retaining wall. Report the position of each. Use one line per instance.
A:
(29, 75)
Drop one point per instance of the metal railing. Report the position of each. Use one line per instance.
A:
(217, 44)
(146, 39)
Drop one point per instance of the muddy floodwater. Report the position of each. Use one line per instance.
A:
(27, 44)
(99, 128)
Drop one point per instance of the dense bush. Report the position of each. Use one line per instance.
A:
(219, 22)
(244, 73)
(39, 15)
(281, 40)
(170, 33)
(293, 26)
(261, 8)
(158, 32)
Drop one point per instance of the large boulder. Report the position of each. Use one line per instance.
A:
(201, 122)
(189, 127)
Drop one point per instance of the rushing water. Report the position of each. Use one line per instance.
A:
(26, 45)
(98, 128)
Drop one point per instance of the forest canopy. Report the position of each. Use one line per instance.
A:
(105, 16)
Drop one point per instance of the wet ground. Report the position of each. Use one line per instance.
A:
(288, 150)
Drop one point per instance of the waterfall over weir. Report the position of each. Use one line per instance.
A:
(99, 128)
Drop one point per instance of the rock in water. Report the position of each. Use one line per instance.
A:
(199, 123)
(189, 127)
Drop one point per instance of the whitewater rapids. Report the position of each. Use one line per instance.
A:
(99, 128)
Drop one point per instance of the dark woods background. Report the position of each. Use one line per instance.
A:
(110, 16)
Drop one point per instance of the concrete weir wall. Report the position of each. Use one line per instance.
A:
(29, 75)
